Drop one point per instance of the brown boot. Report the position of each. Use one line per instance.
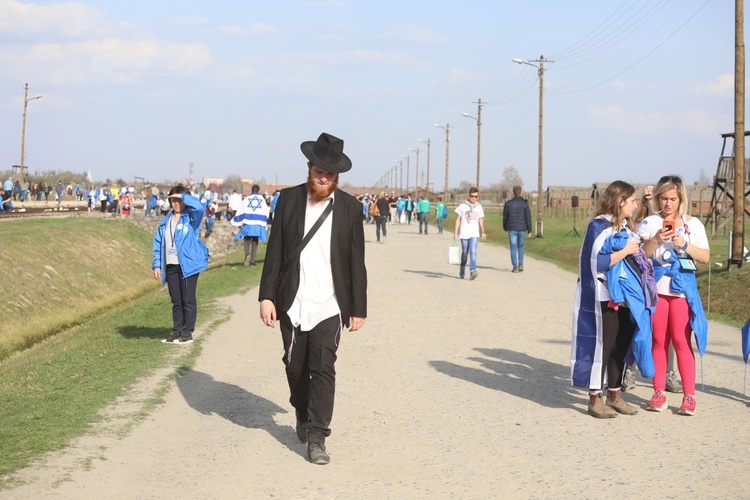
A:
(598, 409)
(615, 401)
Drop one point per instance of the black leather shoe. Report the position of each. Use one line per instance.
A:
(317, 454)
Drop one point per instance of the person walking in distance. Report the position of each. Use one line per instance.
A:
(314, 283)
(424, 213)
(252, 216)
(469, 227)
(179, 257)
(382, 209)
(441, 212)
(517, 222)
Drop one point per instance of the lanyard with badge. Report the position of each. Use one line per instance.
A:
(173, 249)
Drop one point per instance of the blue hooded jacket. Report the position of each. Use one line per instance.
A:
(191, 251)
(631, 286)
(684, 282)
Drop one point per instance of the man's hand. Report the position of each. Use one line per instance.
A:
(267, 312)
(355, 323)
(157, 273)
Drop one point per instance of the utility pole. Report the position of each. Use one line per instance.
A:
(447, 129)
(539, 196)
(738, 229)
(478, 119)
(416, 172)
(23, 127)
(427, 182)
(407, 172)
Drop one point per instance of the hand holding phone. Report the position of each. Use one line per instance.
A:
(668, 226)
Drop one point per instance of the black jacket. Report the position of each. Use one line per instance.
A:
(347, 253)
(517, 215)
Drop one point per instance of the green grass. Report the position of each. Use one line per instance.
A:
(729, 290)
(63, 272)
(54, 391)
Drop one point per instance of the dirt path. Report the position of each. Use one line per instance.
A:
(453, 389)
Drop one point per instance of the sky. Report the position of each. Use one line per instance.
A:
(633, 90)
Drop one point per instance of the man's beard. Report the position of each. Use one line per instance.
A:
(319, 193)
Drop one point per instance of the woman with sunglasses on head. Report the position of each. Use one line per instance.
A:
(674, 239)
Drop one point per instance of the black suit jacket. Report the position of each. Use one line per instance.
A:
(347, 252)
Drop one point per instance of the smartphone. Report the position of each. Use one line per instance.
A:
(668, 225)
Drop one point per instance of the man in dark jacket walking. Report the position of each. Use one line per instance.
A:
(517, 222)
(316, 291)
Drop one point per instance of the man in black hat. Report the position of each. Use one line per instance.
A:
(315, 287)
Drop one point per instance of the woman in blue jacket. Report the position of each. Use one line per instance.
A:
(179, 257)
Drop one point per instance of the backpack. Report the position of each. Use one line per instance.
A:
(445, 212)
(374, 211)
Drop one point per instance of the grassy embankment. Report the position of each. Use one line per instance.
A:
(85, 286)
(81, 293)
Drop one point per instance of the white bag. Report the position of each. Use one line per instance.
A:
(454, 253)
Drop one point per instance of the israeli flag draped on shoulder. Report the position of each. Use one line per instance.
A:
(252, 217)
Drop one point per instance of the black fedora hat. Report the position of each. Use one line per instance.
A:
(327, 153)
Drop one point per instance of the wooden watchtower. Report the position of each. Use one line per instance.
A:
(722, 199)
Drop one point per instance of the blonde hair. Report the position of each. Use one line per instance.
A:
(610, 202)
(668, 183)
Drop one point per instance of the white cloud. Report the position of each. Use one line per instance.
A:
(62, 19)
(189, 21)
(459, 76)
(723, 85)
(637, 122)
(109, 60)
(618, 85)
(414, 34)
(342, 59)
(256, 29)
(699, 122)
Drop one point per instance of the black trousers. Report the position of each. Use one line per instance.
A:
(309, 359)
(617, 333)
(184, 304)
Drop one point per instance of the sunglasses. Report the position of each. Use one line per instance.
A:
(669, 178)
(473, 196)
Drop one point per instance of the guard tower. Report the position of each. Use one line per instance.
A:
(722, 199)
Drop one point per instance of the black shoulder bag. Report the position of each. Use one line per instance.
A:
(302, 244)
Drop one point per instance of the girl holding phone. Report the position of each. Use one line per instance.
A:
(671, 233)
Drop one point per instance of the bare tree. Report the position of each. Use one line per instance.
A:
(232, 183)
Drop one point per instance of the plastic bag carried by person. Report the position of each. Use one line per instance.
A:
(454, 253)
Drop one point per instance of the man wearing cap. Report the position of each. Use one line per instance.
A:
(316, 290)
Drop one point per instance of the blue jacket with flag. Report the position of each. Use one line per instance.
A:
(191, 251)
(625, 280)
(252, 217)
(684, 282)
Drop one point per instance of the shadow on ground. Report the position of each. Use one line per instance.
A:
(518, 374)
(209, 396)
(138, 331)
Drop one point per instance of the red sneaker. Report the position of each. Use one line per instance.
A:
(658, 402)
(688, 406)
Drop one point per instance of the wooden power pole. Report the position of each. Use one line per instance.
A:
(738, 230)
